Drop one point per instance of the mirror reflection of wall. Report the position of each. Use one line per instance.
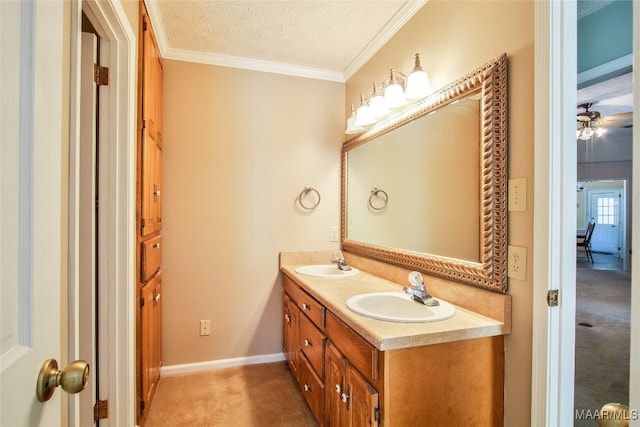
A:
(430, 170)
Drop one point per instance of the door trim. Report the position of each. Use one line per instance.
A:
(554, 215)
(117, 219)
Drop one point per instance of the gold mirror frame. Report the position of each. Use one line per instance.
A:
(491, 271)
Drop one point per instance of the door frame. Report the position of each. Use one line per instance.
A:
(117, 218)
(553, 351)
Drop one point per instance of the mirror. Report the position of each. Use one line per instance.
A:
(426, 188)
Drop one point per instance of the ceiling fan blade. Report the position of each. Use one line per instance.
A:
(619, 116)
(606, 123)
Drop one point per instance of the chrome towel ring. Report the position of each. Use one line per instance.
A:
(375, 192)
(305, 192)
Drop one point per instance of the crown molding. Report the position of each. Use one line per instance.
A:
(394, 24)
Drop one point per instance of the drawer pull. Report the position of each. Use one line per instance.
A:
(305, 306)
(156, 245)
(307, 342)
(307, 387)
(338, 388)
(344, 397)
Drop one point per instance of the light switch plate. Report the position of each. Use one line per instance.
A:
(517, 195)
(517, 262)
(334, 234)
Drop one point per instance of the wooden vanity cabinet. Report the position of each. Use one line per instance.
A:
(290, 334)
(350, 399)
(451, 383)
(320, 368)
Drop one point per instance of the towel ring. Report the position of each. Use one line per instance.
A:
(375, 192)
(306, 191)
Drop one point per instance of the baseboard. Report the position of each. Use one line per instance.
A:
(210, 365)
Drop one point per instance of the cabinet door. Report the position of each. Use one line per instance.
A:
(290, 334)
(335, 370)
(151, 175)
(151, 333)
(362, 405)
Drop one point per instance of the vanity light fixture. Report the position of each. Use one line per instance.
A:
(351, 123)
(388, 95)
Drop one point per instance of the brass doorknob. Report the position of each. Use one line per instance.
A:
(73, 379)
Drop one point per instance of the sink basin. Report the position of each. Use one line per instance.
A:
(398, 307)
(325, 270)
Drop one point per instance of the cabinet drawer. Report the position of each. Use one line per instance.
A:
(309, 306)
(311, 341)
(151, 254)
(359, 351)
(312, 388)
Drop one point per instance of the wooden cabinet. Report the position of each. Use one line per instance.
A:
(450, 383)
(149, 217)
(151, 324)
(336, 393)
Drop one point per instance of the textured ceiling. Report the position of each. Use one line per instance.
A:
(327, 39)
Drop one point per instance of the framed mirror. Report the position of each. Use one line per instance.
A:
(426, 188)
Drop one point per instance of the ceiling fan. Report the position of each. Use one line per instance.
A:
(591, 122)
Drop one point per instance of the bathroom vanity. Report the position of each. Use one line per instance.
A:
(354, 370)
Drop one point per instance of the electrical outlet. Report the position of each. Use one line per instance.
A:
(205, 328)
(334, 234)
(518, 195)
(516, 262)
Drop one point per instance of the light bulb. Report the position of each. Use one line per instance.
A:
(418, 85)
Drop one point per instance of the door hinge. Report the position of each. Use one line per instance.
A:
(376, 414)
(141, 302)
(100, 410)
(142, 405)
(100, 75)
(552, 298)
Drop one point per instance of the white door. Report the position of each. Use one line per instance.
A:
(604, 210)
(31, 179)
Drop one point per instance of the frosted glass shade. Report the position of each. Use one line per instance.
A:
(418, 85)
(395, 96)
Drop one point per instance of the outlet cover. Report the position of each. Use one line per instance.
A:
(334, 234)
(205, 328)
(517, 262)
(517, 195)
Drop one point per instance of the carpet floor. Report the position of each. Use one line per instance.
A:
(247, 396)
(603, 322)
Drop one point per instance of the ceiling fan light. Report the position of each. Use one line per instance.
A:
(585, 133)
(601, 131)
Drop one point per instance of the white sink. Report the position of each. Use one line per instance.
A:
(398, 307)
(325, 270)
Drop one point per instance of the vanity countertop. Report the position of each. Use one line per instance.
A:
(334, 292)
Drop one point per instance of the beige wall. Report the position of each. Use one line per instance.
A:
(454, 38)
(238, 148)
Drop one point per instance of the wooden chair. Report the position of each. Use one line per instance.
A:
(585, 241)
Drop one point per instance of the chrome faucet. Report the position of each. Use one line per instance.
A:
(338, 259)
(418, 291)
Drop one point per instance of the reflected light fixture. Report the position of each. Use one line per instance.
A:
(389, 95)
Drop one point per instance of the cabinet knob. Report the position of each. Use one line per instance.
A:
(307, 343)
(305, 306)
(344, 397)
(157, 297)
(338, 388)
(156, 245)
(287, 318)
(307, 387)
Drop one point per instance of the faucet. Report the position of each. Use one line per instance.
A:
(338, 259)
(418, 291)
